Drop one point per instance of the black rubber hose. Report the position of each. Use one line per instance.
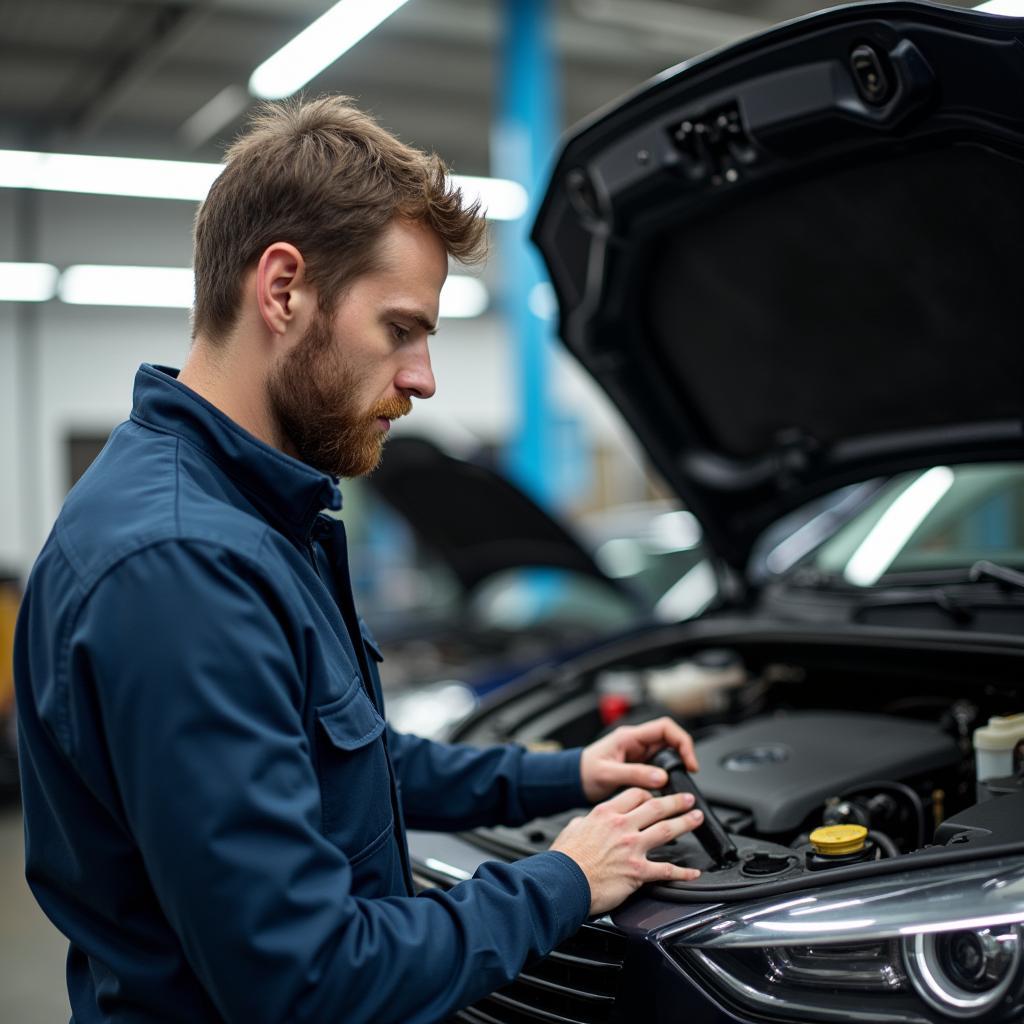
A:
(884, 843)
(904, 790)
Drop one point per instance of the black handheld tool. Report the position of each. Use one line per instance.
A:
(711, 835)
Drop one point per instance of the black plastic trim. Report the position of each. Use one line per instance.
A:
(920, 860)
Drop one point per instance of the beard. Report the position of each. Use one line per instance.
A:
(315, 399)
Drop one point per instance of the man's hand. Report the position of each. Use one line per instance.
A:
(612, 842)
(617, 759)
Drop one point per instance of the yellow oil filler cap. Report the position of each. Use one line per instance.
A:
(838, 840)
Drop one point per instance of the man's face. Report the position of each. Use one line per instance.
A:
(336, 391)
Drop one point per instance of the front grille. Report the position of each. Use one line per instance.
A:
(574, 984)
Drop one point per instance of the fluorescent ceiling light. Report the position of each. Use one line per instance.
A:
(106, 175)
(90, 285)
(896, 526)
(173, 287)
(27, 282)
(189, 179)
(318, 46)
(463, 297)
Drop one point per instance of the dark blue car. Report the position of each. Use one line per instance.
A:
(796, 264)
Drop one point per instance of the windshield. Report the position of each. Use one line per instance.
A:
(939, 519)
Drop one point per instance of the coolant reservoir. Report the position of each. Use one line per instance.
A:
(698, 686)
(995, 748)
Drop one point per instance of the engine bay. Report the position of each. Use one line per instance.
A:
(874, 744)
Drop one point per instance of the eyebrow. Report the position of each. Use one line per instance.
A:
(411, 314)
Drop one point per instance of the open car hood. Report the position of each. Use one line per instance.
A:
(798, 262)
(475, 519)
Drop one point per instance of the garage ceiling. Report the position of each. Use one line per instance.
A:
(167, 78)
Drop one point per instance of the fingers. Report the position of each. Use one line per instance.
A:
(628, 800)
(618, 759)
(663, 871)
(632, 773)
(665, 830)
(661, 732)
(657, 808)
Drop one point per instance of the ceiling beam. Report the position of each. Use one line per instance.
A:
(168, 26)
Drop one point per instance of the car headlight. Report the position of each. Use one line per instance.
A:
(965, 973)
(940, 944)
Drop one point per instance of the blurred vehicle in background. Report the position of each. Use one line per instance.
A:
(468, 583)
(655, 546)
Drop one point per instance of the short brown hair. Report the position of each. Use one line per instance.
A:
(324, 176)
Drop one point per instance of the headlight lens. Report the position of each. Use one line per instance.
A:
(937, 945)
(964, 974)
(873, 967)
(816, 984)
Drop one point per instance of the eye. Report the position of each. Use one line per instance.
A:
(400, 332)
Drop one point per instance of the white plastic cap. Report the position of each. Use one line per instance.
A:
(1001, 733)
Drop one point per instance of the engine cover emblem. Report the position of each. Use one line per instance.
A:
(756, 757)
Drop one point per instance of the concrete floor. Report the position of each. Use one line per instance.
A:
(32, 951)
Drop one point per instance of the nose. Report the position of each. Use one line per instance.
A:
(415, 376)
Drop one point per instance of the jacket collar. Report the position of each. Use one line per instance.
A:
(287, 492)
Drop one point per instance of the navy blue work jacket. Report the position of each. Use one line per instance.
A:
(215, 809)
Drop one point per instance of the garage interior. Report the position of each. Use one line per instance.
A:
(488, 84)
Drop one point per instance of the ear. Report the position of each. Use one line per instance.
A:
(283, 295)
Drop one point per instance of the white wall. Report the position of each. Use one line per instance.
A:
(87, 362)
(86, 358)
(114, 229)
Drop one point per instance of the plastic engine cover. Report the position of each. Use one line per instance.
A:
(781, 767)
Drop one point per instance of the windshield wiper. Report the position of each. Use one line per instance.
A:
(986, 570)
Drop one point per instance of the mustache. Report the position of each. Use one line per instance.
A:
(393, 408)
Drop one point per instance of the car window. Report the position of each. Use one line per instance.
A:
(942, 518)
(398, 580)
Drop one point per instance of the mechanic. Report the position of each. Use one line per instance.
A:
(215, 810)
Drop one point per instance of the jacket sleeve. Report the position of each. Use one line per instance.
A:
(502, 785)
(195, 690)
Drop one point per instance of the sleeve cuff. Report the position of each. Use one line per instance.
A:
(582, 886)
(566, 885)
(550, 783)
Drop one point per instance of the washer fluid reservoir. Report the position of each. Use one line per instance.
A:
(998, 749)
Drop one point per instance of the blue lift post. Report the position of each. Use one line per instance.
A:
(523, 144)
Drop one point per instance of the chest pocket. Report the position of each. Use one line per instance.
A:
(355, 785)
